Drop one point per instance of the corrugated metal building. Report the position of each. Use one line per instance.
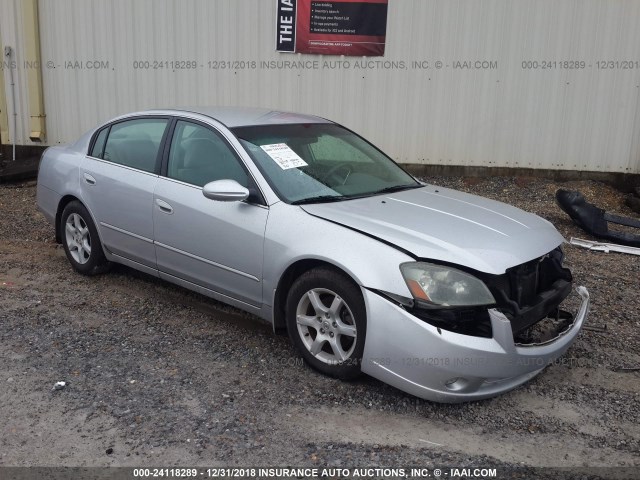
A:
(489, 102)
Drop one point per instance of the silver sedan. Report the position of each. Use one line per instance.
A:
(304, 223)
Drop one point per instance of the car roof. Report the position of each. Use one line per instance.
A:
(245, 116)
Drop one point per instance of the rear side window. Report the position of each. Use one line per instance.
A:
(135, 143)
(98, 147)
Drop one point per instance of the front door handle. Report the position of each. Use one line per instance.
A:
(89, 179)
(164, 206)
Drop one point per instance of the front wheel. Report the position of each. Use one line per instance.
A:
(80, 240)
(326, 320)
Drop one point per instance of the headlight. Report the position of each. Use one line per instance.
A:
(445, 286)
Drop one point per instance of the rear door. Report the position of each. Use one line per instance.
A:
(216, 245)
(117, 180)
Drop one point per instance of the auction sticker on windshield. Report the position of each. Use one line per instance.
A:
(284, 156)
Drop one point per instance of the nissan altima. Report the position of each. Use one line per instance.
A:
(306, 224)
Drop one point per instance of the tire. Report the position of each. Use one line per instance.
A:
(329, 335)
(81, 241)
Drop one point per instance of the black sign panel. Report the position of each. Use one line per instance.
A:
(286, 26)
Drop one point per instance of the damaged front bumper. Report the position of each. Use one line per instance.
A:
(443, 366)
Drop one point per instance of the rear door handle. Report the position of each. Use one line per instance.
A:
(89, 179)
(164, 206)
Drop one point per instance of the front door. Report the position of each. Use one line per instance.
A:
(217, 245)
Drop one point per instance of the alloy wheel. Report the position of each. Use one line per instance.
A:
(78, 238)
(326, 326)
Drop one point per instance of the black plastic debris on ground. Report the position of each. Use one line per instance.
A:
(595, 221)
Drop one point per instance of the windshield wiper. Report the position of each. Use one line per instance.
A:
(396, 188)
(320, 199)
(334, 198)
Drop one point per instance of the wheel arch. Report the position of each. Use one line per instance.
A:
(64, 201)
(62, 204)
(291, 273)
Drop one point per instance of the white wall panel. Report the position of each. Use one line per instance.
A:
(586, 119)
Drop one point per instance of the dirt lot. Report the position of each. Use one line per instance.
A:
(159, 376)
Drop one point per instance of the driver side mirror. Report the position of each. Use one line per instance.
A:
(225, 191)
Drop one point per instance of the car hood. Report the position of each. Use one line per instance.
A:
(449, 226)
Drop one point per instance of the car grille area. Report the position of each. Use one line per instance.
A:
(533, 291)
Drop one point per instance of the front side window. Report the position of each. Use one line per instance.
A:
(309, 163)
(134, 143)
(198, 155)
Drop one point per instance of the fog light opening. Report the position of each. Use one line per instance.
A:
(456, 384)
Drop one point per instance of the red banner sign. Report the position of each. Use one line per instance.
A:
(339, 27)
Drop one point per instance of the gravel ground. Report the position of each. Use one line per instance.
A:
(159, 376)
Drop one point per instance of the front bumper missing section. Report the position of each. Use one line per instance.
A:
(443, 366)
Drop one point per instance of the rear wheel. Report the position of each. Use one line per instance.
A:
(80, 240)
(326, 320)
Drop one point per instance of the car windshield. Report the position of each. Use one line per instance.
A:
(314, 163)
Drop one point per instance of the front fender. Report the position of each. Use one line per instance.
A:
(293, 235)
